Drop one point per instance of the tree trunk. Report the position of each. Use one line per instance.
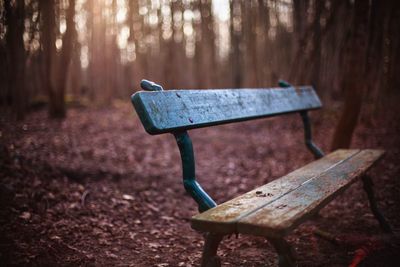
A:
(316, 55)
(58, 108)
(49, 51)
(393, 77)
(205, 46)
(235, 53)
(300, 35)
(15, 16)
(132, 18)
(265, 45)
(353, 80)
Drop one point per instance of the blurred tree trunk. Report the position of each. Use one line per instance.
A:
(379, 12)
(171, 60)
(265, 46)
(299, 19)
(300, 34)
(96, 46)
(205, 47)
(55, 75)
(110, 57)
(132, 18)
(316, 54)
(93, 46)
(249, 24)
(57, 105)
(143, 53)
(393, 77)
(14, 16)
(235, 53)
(48, 50)
(353, 79)
(338, 16)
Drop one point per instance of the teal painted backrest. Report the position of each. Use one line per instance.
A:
(179, 110)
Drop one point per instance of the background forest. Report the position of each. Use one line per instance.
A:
(93, 51)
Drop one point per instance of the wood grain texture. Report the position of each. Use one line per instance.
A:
(224, 216)
(286, 202)
(290, 210)
(175, 110)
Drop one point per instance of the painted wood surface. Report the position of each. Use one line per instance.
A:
(174, 110)
(276, 208)
(224, 216)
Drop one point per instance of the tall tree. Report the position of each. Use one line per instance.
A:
(265, 46)
(235, 53)
(132, 19)
(48, 39)
(57, 105)
(316, 55)
(205, 46)
(14, 19)
(249, 22)
(300, 37)
(353, 77)
(55, 75)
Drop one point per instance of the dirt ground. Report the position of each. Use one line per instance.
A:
(96, 190)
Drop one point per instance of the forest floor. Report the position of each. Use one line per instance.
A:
(96, 190)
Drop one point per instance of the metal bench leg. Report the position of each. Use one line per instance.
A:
(210, 257)
(367, 181)
(284, 251)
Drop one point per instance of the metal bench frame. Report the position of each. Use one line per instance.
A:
(205, 202)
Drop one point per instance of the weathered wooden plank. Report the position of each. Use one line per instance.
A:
(222, 218)
(174, 110)
(287, 212)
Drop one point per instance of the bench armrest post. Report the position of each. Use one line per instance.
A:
(317, 152)
(194, 189)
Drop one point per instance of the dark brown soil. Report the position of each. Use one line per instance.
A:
(96, 190)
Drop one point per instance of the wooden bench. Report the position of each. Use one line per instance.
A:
(272, 210)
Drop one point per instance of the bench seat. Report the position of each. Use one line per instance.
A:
(276, 208)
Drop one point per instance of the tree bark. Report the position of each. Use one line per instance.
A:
(353, 80)
(49, 50)
(316, 55)
(265, 45)
(58, 108)
(15, 16)
(235, 53)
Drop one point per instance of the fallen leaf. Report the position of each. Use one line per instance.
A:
(127, 197)
(25, 215)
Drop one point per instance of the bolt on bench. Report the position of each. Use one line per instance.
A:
(272, 210)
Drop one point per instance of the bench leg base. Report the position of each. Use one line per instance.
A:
(367, 182)
(284, 251)
(210, 257)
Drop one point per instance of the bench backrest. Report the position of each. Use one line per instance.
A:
(179, 110)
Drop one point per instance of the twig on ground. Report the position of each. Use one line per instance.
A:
(83, 198)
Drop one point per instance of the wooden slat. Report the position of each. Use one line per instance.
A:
(223, 218)
(287, 212)
(174, 110)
